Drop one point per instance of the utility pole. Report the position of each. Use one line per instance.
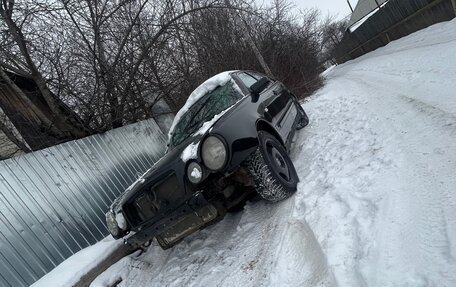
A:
(249, 39)
(378, 5)
(350, 5)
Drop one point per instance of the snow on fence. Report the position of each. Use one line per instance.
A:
(53, 201)
(396, 19)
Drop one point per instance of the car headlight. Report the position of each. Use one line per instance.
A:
(213, 153)
(112, 223)
(195, 172)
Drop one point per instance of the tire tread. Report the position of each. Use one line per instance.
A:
(266, 185)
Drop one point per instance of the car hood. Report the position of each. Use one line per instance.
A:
(171, 161)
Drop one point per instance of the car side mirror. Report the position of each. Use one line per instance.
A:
(258, 87)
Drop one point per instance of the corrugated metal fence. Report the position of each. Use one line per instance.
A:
(396, 19)
(53, 201)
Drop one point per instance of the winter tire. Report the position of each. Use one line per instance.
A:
(274, 173)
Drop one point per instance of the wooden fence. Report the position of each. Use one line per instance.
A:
(394, 20)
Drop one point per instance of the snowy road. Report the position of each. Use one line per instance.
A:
(261, 246)
(376, 205)
(381, 193)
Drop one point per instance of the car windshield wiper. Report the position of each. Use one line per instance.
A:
(190, 128)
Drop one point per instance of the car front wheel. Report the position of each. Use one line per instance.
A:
(271, 167)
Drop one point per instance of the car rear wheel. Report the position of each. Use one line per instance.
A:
(274, 173)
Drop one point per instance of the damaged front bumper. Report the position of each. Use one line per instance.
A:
(181, 222)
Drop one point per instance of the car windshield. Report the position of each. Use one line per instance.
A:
(208, 106)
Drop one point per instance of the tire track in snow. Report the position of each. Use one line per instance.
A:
(344, 159)
(423, 204)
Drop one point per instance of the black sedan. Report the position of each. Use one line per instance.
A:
(228, 143)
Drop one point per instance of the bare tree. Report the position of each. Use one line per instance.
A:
(65, 124)
(114, 62)
(332, 33)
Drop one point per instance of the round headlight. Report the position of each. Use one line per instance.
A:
(213, 153)
(112, 223)
(194, 172)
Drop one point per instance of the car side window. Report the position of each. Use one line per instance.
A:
(259, 76)
(247, 79)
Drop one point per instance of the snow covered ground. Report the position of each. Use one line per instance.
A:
(69, 272)
(376, 205)
(380, 194)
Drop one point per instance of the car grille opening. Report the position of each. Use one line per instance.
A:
(156, 199)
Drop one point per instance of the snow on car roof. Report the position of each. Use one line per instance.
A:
(206, 87)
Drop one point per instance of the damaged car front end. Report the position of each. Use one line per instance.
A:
(230, 137)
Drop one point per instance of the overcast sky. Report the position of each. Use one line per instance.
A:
(333, 7)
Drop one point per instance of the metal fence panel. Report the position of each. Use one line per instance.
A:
(53, 201)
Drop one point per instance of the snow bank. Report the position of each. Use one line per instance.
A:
(71, 270)
(261, 246)
(116, 273)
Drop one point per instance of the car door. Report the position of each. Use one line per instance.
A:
(275, 102)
